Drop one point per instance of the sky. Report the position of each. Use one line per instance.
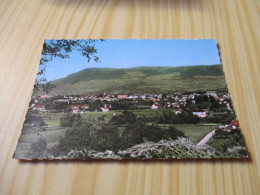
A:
(132, 53)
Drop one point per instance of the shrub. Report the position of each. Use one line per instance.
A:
(69, 119)
(220, 134)
(39, 148)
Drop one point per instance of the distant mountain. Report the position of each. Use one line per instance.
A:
(140, 80)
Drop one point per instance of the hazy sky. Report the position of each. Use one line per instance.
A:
(132, 53)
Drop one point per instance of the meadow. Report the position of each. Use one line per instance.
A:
(54, 132)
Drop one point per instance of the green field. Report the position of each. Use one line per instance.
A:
(54, 132)
(192, 131)
(195, 132)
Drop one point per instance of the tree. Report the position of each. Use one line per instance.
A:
(38, 148)
(47, 87)
(82, 135)
(108, 138)
(69, 119)
(174, 133)
(61, 49)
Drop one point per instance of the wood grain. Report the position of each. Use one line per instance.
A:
(23, 26)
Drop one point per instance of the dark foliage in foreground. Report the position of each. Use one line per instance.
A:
(122, 132)
(228, 142)
(164, 149)
(39, 148)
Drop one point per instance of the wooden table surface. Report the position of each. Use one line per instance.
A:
(25, 23)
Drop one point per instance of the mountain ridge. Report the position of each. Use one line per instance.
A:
(142, 79)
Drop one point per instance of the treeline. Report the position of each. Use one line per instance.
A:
(168, 116)
(121, 132)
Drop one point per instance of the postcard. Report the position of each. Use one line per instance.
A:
(130, 99)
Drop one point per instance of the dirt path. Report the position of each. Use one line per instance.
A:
(206, 138)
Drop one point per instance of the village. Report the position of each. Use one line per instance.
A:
(218, 105)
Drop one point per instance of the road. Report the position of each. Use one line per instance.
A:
(206, 138)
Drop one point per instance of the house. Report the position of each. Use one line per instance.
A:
(228, 106)
(85, 106)
(200, 114)
(155, 100)
(74, 108)
(106, 97)
(234, 124)
(211, 93)
(105, 109)
(179, 111)
(107, 105)
(82, 98)
(39, 108)
(176, 105)
(132, 97)
(44, 97)
(143, 97)
(122, 96)
(155, 106)
(183, 98)
(61, 100)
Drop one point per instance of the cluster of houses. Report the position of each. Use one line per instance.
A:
(176, 101)
(83, 108)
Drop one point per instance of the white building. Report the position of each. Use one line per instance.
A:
(200, 114)
(105, 109)
(39, 108)
(155, 106)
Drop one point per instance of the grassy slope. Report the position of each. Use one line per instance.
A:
(139, 80)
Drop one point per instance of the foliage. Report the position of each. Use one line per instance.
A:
(228, 144)
(34, 120)
(224, 119)
(220, 134)
(174, 133)
(191, 71)
(57, 106)
(61, 49)
(39, 148)
(100, 136)
(95, 105)
(164, 149)
(69, 119)
(108, 138)
(180, 148)
(128, 81)
(167, 116)
(81, 135)
(47, 87)
(126, 118)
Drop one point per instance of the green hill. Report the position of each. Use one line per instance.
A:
(140, 80)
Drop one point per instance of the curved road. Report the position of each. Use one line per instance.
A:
(206, 138)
